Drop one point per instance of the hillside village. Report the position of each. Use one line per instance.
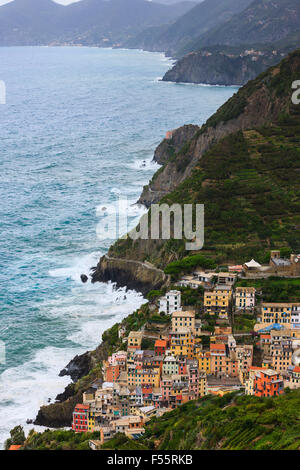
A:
(230, 339)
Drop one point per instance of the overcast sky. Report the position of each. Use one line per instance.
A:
(63, 2)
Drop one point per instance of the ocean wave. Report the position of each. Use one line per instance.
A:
(25, 388)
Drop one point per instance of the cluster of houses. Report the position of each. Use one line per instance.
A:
(219, 296)
(181, 366)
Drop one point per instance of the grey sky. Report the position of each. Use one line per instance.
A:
(63, 2)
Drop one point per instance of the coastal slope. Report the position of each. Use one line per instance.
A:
(199, 20)
(241, 165)
(237, 50)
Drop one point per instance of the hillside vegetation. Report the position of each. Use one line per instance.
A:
(248, 180)
(263, 21)
(219, 56)
(196, 22)
(89, 22)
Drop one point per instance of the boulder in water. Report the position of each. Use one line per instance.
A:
(84, 278)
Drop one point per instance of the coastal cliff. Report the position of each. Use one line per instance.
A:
(253, 105)
(129, 273)
(218, 68)
(205, 165)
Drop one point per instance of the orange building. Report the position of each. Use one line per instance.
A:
(112, 373)
(160, 347)
(268, 383)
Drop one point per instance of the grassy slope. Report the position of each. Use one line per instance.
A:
(250, 188)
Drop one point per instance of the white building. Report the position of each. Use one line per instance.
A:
(295, 318)
(245, 298)
(171, 302)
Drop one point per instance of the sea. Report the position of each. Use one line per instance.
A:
(77, 136)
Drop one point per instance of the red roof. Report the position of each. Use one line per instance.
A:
(297, 369)
(82, 407)
(218, 347)
(15, 447)
(160, 343)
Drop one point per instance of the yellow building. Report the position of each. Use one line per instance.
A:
(91, 421)
(183, 319)
(276, 313)
(249, 383)
(135, 339)
(143, 377)
(217, 301)
(182, 343)
(203, 358)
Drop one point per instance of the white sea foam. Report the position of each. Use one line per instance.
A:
(146, 164)
(25, 388)
(76, 266)
(89, 310)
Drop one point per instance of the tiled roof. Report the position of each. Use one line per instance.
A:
(160, 343)
(82, 407)
(217, 347)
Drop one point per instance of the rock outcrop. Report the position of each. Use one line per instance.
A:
(167, 149)
(130, 273)
(218, 68)
(259, 103)
(78, 367)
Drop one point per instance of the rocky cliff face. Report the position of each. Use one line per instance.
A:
(257, 106)
(166, 150)
(218, 68)
(130, 273)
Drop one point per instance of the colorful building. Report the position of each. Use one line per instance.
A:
(267, 383)
(218, 301)
(183, 319)
(170, 366)
(135, 340)
(279, 313)
(182, 343)
(160, 347)
(292, 378)
(81, 418)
